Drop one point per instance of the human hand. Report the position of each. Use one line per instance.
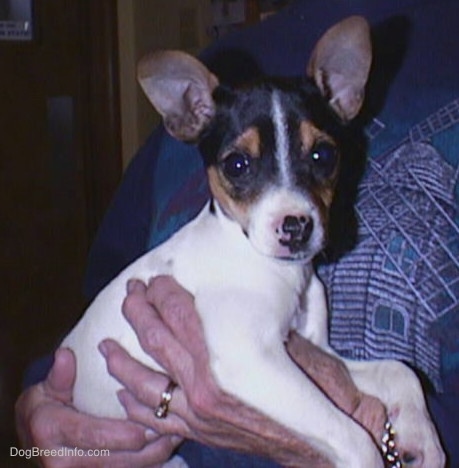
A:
(332, 377)
(45, 418)
(170, 330)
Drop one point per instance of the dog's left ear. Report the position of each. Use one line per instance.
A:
(180, 88)
(340, 64)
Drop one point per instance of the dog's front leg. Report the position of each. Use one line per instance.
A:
(313, 321)
(267, 379)
(399, 389)
(393, 383)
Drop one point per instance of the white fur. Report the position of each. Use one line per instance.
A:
(270, 211)
(248, 302)
(281, 136)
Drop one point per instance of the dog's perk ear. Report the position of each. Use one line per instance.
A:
(180, 88)
(340, 64)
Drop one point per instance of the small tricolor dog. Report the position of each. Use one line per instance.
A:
(272, 152)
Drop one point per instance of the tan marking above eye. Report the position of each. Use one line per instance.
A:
(326, 195)
(249, 142)
(220, 189)
(310, 135)
(322, 198)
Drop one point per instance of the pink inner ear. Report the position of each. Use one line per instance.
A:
(346, 96)
(199, 101)
(180, 88)
(191, 113)
(340, 65)
(164, 95)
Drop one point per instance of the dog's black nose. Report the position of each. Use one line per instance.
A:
(292, 225)
(296, 232)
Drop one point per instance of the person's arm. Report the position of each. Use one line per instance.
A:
(122, 235)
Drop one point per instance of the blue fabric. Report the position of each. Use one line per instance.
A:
(403, 272)
(200, 456)
(123, 234)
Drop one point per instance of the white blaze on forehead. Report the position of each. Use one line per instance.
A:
(281, 138)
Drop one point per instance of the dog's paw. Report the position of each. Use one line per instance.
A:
(366, 456)
(416, 438)
(356, 449)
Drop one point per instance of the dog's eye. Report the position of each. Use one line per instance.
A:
(236, 165)
(325, 157)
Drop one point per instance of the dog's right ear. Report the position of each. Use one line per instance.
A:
(340, 65)
(180, 88)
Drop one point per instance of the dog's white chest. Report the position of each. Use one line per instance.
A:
(235, 288)
(239, 294)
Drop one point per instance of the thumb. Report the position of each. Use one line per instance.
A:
(61, 377)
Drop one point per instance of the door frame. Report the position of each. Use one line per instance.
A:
(103, 152)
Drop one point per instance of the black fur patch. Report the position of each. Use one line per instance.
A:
(251, 106)
(212, 209)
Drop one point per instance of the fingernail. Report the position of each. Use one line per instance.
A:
(176, 440)
(121, 396)
(150, 435)
(130, 286)
(104, 348)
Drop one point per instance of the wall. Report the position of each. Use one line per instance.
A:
(145, 25)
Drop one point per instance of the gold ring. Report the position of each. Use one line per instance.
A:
(163, 408)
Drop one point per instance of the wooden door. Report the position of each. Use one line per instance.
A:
(60, 161)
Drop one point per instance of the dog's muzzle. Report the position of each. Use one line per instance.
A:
(296, 232)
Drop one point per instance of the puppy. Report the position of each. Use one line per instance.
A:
(272, 153)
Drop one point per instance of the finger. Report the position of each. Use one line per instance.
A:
(104, 433)
(135, 285)
(142, 414)
(84, 431)
(176, 307)
(144, 383)
(61, 378)
(155, 337)
(141, 314)
(154, 454)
